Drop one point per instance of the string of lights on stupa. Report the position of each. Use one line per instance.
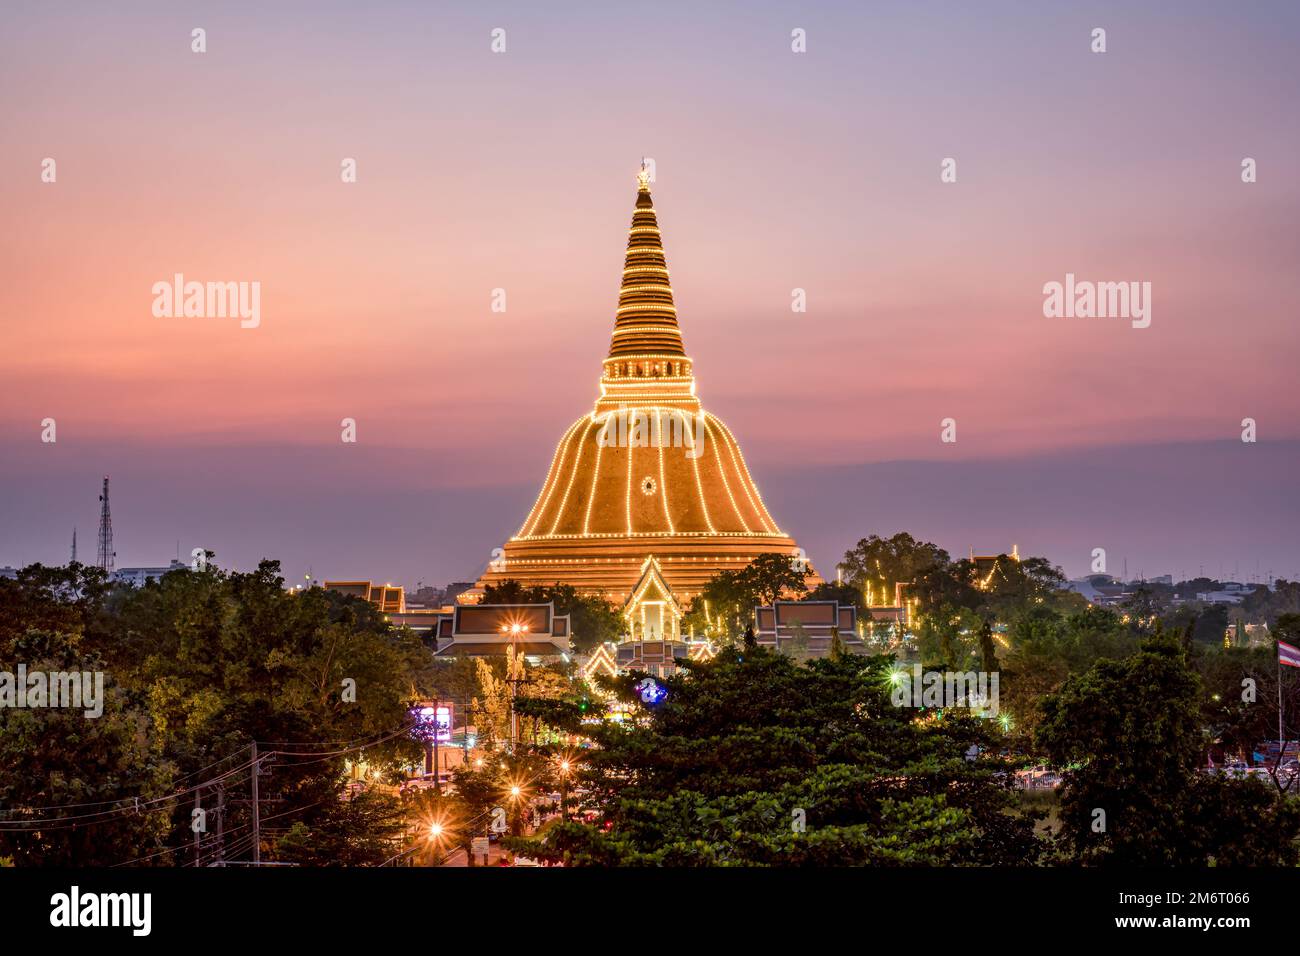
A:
(691, 502)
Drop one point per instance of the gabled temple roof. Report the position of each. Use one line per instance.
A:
(652, 586)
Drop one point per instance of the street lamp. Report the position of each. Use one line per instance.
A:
(564, 789)
(515, 629)
(439, 835)
(518, 798)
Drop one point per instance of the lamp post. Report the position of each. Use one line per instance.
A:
(516, 797)
(437, 838)
(514, 630)
(564, 790)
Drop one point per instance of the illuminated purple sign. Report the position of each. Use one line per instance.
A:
(431, 720)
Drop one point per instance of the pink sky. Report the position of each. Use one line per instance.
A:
(775, 171)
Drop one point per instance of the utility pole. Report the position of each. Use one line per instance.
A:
(464, 737)
(221, 824)
(1281, 740)
(437, 731)
(257, 818)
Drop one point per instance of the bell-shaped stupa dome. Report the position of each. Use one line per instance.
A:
(648, 472)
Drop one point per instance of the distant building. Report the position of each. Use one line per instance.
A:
(138, 577)
(1101, 589)
(1242, 634)
(388, 598)
(490, 630)
(8, 572)
(452, 592)
(988, 565)
(426, 596)
(1229, 592)
(807, 626)
(895, 614)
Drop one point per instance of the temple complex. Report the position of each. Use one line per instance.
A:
(648, 493)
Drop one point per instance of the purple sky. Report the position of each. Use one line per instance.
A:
(775, 171)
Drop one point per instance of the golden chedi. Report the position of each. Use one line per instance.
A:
(648, 473)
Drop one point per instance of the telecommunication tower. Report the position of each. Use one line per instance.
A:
(106, 553)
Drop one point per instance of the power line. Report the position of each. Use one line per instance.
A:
(101, 816)
(133, 804)
(129, 800)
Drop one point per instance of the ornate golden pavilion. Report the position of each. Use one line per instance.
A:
(648, 473)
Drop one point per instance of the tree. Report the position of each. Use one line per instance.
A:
(772, 576)
(1130, 732)
(201, 664)
(69, 782)
(846, 594)
(882, 563)
(1267, 606)
(1046, 647)
(754, 759)
(366, 830)
(478, 791)
(722, 608)
(725, 605)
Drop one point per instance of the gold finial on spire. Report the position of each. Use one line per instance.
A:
(643, 177)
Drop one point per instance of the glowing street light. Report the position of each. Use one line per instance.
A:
(515, 629)
(564, 789)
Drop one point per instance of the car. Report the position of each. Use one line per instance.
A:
(424, 781)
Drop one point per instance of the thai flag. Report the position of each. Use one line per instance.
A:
(1287, 654)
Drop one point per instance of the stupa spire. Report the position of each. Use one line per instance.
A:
(646, 321)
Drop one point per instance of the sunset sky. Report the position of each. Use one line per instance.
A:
(775, 170)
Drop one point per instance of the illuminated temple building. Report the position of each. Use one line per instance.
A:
(648, 473)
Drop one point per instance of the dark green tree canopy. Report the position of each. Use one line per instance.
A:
(753, 759)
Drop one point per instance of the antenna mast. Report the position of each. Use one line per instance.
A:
(106, 553)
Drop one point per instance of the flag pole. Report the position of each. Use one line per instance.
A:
(1281, 743)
